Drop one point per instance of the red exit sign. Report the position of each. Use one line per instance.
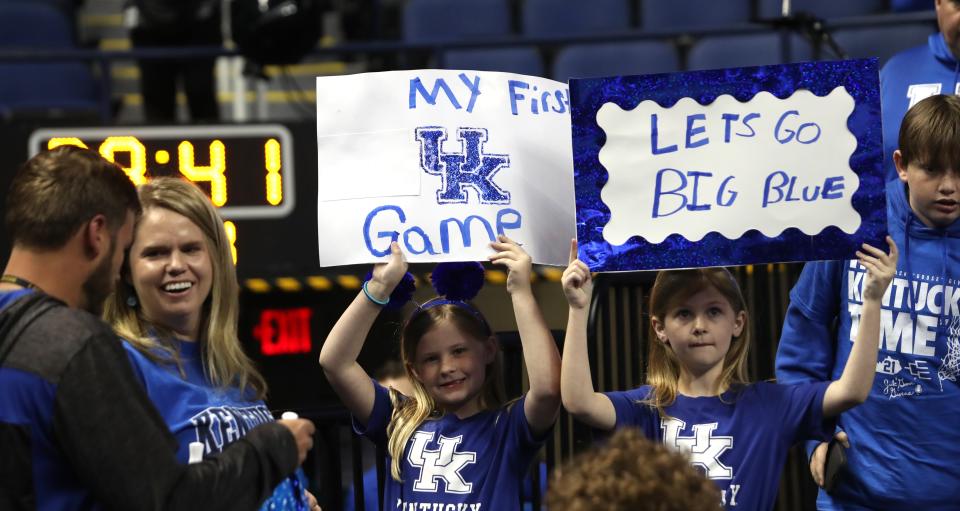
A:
(284, 331)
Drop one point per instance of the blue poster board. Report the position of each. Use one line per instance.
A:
(724, 121)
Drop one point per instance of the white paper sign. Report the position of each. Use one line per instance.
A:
(443, 161)
(753, 165)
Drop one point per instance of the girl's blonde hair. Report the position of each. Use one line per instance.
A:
(223, 358)
(408, 414)
(669, 290)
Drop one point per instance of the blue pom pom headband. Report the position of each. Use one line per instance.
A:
(437, 302)
(454, 282)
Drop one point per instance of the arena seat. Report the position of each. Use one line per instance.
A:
(34, 25)
(426, 21)
(523, 60)
(561, 18)
(882, 42)
(42, 89)
(744, 50)
(824, 8)
(910, 5)
(693, 14)
(616, 59)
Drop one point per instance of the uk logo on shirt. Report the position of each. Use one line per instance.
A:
(703, 447)
(444, 463)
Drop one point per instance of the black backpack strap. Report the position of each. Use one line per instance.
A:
(19, 315)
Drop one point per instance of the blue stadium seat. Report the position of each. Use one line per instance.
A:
(744, 50)
(54, 86)
(910, 5)
(883, 41)
(522, 60)
(48, 88)
(33, 25)
(616, 59)
(693, 14)
(427, 21)
(558, 18)
(824, 8)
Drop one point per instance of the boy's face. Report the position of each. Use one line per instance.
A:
(934, 194)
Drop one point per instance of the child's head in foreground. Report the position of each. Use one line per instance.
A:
(631, 473)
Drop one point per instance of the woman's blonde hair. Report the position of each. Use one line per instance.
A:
(408, 414)
(669, 290)
(223, 358)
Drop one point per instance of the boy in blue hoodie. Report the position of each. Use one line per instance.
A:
(917, 73)
(904, 442)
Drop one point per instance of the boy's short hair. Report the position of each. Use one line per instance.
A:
(631, 473)
(930, 134)
(57, 191)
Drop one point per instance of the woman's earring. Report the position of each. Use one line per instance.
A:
(132, 301)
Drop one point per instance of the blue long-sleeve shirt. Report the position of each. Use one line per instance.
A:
(904, 440)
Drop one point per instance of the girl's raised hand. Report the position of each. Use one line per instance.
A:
(576, 280)
(880, 269)
(518, 262)
(387, 275)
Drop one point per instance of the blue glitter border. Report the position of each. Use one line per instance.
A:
(859, 77)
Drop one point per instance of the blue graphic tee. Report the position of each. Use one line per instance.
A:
(197, 411)
(472, 464)
(740, 439)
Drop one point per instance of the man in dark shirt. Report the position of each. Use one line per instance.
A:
(77, 431)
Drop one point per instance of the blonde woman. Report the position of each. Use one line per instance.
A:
(176, 311)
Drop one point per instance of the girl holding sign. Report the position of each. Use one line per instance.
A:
(698, 398)
(454, 441)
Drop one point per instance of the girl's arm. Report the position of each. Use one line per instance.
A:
(855, 383)
(576, 385)
(338, 357)
(542, 403)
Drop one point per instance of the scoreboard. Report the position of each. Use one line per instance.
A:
(247, 171)
(262, 178)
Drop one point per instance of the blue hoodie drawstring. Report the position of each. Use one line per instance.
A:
(944, 268)
(906, 263)
(946, 279)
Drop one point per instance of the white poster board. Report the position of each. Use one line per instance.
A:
(443, 161)
(729, 167)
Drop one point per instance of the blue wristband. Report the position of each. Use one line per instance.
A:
(371, 297)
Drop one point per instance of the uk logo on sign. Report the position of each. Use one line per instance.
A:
(470, 169)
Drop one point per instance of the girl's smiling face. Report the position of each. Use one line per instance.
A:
(699, 330)
(452, 366)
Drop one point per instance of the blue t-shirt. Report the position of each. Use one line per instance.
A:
(475, 464)
(197, 411)
(738, 440)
